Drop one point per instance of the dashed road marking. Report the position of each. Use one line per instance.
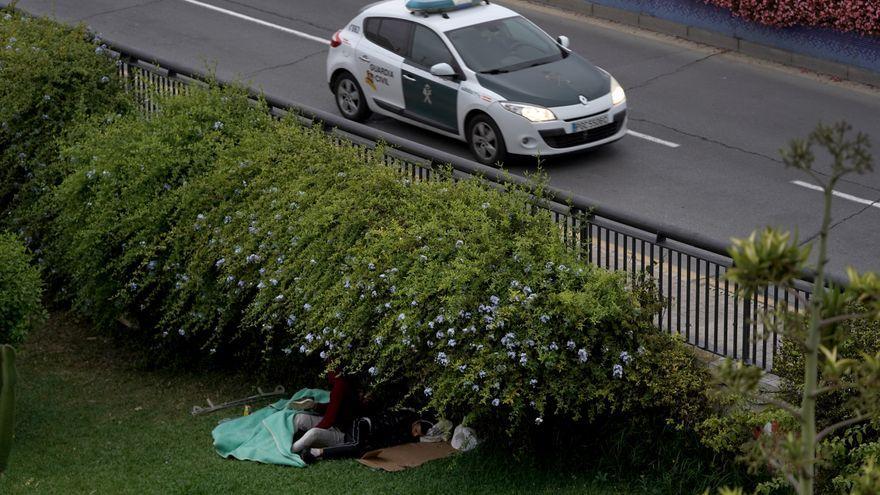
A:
(652, 139)
(258, 21)
(850, 197)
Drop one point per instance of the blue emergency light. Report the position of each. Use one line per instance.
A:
(437, 6)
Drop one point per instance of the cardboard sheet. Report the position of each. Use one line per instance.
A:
(404, 456)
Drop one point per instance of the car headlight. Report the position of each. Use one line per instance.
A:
(532, 113)
(618, 96)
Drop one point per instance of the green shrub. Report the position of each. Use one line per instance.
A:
(729, 432)
(20, 291)
(51, 75)
(226, 235)
(845, 456)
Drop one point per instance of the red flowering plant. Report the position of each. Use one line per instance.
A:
(860, 16)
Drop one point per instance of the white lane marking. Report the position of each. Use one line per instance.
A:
(258, 21)
(875, 204)
(652, 139)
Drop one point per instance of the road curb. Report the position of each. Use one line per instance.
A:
(692, 33)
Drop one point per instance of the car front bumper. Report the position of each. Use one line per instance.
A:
(522, 137)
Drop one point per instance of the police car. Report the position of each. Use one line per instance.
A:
(477, 72)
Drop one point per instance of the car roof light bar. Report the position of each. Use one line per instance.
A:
(440, 6)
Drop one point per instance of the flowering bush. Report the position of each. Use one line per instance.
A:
(20, 291)
(861, 16)
(226, 235)
(50, 76)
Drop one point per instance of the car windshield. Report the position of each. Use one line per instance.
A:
(504, 45)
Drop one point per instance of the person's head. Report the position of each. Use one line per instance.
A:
(420, 428)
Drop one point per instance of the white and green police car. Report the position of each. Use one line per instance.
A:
(475, 71)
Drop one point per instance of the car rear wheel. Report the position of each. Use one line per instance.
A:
(485, 140)
(350, 98)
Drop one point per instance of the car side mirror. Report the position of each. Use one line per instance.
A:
(443, 70)
(563, 41)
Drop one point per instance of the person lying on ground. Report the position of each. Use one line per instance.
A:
(373, 432)
(326, 426)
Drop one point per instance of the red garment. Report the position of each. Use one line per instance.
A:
(343, 401)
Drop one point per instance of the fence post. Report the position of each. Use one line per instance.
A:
(747, 330)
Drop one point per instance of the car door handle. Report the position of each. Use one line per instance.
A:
(409, 78)
(365, 58)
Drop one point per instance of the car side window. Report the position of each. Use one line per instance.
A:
(428, 49)
(391, 34)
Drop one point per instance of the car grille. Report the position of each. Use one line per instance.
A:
(557, 138)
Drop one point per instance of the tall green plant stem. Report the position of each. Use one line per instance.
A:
(811, 371)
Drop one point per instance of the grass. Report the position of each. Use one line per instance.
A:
(93, 419)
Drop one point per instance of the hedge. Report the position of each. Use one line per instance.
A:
(20, 291)
(860, 16)
(228, 236)
(50, 76)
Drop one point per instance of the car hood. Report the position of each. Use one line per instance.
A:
(556, 84)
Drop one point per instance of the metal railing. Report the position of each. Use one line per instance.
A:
(689, 269)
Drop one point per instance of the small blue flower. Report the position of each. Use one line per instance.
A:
(373, 371)
(570, 345)
(583, 355)
(451, 343)
(539, 420)
(429, 391)
(494, 300)
(545, 318)
(553, 346)
(307, 307)
(533, 382)
(220, 262)
(371, 266)
(625, 357)
(442, 359)
(617, 371)
(459, 243)
(496, 402)
(218, 125)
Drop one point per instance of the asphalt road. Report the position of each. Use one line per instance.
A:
(729, 115)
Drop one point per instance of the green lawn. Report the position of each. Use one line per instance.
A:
(92, 420)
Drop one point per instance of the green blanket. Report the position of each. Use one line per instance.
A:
(264, 435)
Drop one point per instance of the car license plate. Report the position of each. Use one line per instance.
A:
(590, 123)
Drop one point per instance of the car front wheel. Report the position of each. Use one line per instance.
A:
(350, 98)
(485, 140)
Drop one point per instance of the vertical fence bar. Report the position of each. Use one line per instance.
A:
(687, 295)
